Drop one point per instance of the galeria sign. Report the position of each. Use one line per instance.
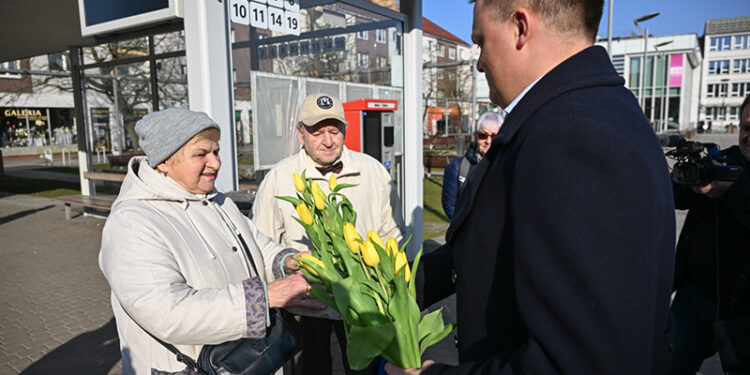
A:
(275, 15)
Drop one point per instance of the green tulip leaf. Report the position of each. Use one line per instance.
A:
(366, 343)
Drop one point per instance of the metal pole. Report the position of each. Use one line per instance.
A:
(49, 127)
(28, 128)
(118, 125)
(665, 93)
(472, 126)
(609, 30)
(641, 100)
(653, 87)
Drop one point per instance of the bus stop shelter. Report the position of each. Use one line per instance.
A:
(355, 48)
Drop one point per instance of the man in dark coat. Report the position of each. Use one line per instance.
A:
(561, 250)
(719, 211)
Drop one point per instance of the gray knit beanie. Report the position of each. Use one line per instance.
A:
(162, 133)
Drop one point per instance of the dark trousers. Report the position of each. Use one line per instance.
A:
(695, 319)
(313, 356)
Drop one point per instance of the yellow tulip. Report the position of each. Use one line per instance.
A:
(373, 236)
(370, 255)
(313, 260)
(392, 246)
(332, 182)
(304, 214)
(401, 262)
(298, 183)
(318, 196)
(352, 237)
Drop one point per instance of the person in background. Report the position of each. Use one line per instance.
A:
(561, 247)
(175, 252)
(321, 129)
(455, 174)
(719, 215)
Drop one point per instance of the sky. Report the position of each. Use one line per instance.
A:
(677, 16)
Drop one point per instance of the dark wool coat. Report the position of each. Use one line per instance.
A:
(561, 250)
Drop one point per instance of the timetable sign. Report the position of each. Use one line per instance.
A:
(276, 15)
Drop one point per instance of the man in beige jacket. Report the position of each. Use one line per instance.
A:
(321, 129)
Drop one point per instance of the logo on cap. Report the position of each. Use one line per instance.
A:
(325, 102)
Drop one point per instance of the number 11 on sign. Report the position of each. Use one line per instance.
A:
(258, 15)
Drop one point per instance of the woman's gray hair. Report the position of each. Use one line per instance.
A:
(489, 120)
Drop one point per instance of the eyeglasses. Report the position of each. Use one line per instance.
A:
(485, 135)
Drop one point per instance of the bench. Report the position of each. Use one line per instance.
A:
(85, 201)
(104, 176)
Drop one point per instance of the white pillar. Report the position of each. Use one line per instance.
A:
(209, 63)
(413, 200)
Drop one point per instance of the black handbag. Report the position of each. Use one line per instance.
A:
(248, 356)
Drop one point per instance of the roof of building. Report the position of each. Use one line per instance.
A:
(429, 27)
(727, 25)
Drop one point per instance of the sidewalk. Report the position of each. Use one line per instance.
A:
(55, 315)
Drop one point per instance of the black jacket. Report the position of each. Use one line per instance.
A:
(450, 179)
(563, 238)
(696, 249)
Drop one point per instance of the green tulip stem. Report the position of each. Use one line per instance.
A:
(380, 279)
(364, 268)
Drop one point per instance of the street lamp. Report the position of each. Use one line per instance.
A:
(664, 88)
(645, 51)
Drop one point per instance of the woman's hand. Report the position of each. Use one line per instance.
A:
(290, 264)
(293, 290)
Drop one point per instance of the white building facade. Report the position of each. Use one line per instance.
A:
(671, 84)
(726, 70)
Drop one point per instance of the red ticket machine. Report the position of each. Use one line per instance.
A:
(371, 128)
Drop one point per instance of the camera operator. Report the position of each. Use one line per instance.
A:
(717, 228)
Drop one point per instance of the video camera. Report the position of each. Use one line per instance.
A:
(695, 162)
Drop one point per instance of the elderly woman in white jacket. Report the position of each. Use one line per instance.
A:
(173, 254)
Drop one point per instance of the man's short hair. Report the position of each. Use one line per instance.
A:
(562, 15)
(744, 105)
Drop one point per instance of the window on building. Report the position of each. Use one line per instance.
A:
(57, 61)
(741, 66)
(440, 75)
(741, 41)
(635, 72)
(362, 35)
(10, 65)
(619, 63)
(380, 36)
(382, 62)
(718, 90)
(718, 67)
(734, 113)
(716, 113)
(740, 89)
(451, 76)
(363, 60)
(452, 53)
(720, 43)
(441, 50)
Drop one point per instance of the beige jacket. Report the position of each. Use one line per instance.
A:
(373, 199)
(175, 263)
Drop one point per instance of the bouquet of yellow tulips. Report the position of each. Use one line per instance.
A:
(367, 281)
